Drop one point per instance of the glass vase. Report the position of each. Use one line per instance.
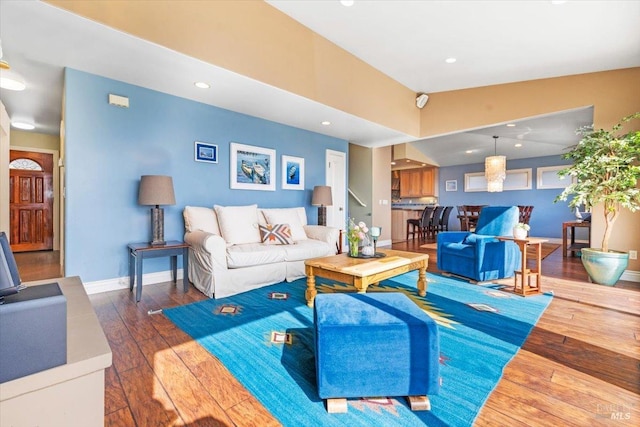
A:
(353, 248)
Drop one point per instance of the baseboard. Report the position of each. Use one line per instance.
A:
(384, 243)
(118, 283)
(631, 276)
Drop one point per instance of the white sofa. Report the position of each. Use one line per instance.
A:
(227, 255)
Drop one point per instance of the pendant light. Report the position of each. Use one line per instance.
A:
(495, 169)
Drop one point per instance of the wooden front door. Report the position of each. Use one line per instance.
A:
(30, 201)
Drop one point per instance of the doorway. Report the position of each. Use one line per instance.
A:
(336, 178)
(31, 199)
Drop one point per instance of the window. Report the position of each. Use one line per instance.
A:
(517, 179)
(548, 178)
(25, 164)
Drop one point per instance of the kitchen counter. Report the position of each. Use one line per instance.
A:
(409, 206)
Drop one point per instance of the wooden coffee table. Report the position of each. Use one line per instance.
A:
(362, 272)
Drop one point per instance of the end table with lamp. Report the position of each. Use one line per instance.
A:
(156, 190)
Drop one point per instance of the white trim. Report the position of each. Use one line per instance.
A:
(384, 243)
(631, 276)
(118, 283)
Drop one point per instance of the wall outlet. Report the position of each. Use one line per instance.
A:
(633, 254)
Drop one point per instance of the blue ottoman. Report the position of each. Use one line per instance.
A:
(374, 344)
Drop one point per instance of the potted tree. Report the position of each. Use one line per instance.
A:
(606, 168)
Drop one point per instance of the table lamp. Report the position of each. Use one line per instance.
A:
(156, 190)
(375, 234)
(322, 199)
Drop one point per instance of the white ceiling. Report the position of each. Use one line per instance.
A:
(494, 41)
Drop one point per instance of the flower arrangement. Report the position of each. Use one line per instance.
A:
(355, 233)
(524, 226)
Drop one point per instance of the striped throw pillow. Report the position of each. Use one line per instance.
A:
(275, 234)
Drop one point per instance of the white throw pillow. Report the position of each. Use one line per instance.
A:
(238, 224)
(295, 217)
(200, 218)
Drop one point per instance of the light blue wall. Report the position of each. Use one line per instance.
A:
(108, 149)
(547, 217)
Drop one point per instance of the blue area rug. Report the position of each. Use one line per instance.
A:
(265, 338)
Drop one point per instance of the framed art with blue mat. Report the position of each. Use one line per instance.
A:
(265, 338)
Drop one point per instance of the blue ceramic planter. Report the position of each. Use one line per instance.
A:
(604, 268)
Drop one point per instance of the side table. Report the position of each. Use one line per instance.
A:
(573, 246)
(138, 252)
(526, 273)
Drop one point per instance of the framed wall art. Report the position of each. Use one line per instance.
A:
(292, 173)
(451, 185)
(205, 152)
(252, 168)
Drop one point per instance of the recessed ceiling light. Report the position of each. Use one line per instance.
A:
(11, 81)
(511, 125)
(450, 60)
(469, 151)
(326, 123)
(408, 161)
(518, 145)
(23, 125)
(347, 3)
(202, 85)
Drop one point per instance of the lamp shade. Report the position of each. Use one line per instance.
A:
(321, 196)
(156, 190)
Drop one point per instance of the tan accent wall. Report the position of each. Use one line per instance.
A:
(381, 179)
(35, 140)
(613, 94)
(254, 39)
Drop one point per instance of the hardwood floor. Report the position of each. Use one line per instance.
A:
(579, 367)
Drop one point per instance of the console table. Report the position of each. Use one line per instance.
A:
(138, 252)
(71, 394)
(573, 246)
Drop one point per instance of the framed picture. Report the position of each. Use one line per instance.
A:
(292, 173)
(451, 185)
(205, 152)
(252, 168)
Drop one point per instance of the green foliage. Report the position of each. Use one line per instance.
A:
(606, 168)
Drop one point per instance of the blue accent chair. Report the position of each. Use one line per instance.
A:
(479, 255)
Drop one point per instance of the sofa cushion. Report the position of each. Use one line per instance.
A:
(250, 254)
(275, 234)
(295, 217)
(305, 249)
(200, 218)
(238, 224)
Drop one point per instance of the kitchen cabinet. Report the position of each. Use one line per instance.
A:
(417, 182)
